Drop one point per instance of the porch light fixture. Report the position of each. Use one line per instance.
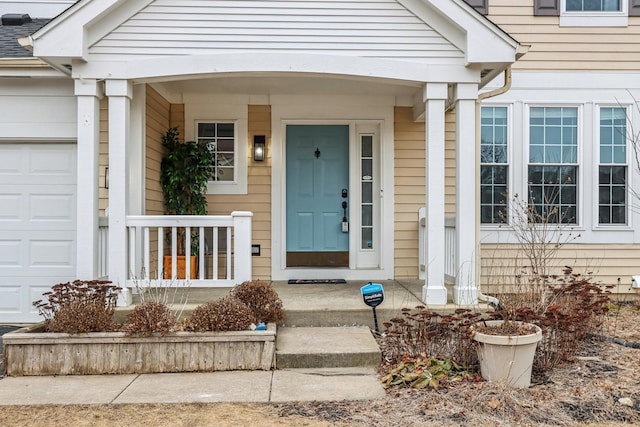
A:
(106, 177)
(258, 147)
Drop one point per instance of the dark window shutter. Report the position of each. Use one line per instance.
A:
(634, 7)
(546, 7)
(481, 6)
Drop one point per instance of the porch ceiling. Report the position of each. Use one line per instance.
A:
(291, 84)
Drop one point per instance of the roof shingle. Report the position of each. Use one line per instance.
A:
(9, 35)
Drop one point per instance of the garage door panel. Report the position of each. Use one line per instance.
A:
(37, 164)
(11, 162)
(37, 224)
(52, 207)
(11, 206)
(33, 251)
(16, 299)
(51, 253)
(10, 250)
(45, 209)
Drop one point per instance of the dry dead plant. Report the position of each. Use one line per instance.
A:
(80, 306)
(175, 295)
(225, 314)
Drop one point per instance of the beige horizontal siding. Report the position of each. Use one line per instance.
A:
(103, 193)
(157, 122)
(450, 163)
(607, 264)
(567, 48)
(258, 199)
(409, 187)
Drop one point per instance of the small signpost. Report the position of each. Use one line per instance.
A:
(373, 295)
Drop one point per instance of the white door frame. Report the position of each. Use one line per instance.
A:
(333, 110)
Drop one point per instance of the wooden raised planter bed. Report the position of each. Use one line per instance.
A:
(29, 352)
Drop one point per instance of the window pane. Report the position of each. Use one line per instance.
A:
(553, 193)
(225, 130)
(493, 194)
(206, 129)
(618, 215)
(367, 192)
(593, 5)
(367, 238)
(367, 219)
(367, 169)
(612, 195)
(367, 146)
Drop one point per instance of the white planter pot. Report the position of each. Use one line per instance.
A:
(507, 358)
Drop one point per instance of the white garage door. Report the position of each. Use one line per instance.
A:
(37, 224)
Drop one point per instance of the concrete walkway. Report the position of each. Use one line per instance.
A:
(328, 384)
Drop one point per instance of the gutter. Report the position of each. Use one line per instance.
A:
(486, 95)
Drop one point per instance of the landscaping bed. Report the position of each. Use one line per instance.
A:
(29, 352)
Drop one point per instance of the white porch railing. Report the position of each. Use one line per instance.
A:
(450, 264)
(221, 247)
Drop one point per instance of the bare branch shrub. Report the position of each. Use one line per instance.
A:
(148, 318)
(175, 295)
(225, 314)
(262, 299)
(566, 305)
(80, 306)
(421, 333)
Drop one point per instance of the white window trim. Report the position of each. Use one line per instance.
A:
(596, 178)
(594, 18)
(219, 113)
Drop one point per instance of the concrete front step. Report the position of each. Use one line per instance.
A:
(326, 347)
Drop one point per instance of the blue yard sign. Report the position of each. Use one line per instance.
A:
(373, 295)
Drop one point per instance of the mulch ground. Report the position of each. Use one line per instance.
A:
(601, 387)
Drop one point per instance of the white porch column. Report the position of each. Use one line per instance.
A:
(89, 93)
(434, 291)
(465, 291)
(242, 246)
(119, 93)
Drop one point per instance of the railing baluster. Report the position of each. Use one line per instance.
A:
(215, 253)
(187, 253)
(202, 253)
(132, 252)
(229, 245)
(160, 253)
(174, 252)
(146, 252)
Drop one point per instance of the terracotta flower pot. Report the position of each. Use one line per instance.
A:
(507, 357)
(180, 266)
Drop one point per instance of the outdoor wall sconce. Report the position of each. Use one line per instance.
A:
(258, 147)
(317, 153)
(106, 177)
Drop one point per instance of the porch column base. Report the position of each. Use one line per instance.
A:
(465, 296)
(124, 297)
(434, 296)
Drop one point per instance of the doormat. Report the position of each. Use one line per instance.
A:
(315, 281)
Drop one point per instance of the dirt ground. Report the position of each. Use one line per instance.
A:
(602, 388)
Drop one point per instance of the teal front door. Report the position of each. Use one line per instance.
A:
(317, 195)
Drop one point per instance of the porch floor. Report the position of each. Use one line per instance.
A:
(319, 305)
